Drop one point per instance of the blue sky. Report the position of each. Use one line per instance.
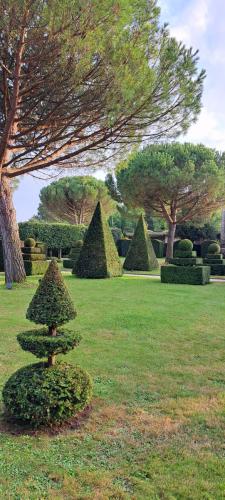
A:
(200, 24)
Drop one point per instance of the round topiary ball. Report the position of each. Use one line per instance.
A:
(30, 242)
(185, 245)
(214, 248)
(43, 345)
(39, 395)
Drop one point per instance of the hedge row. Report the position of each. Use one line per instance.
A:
(198, 275)
(54, 235)
(33, 268)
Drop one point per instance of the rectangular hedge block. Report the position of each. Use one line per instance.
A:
(34, 256)
(216, 256)
(37, 267)
(29, 250)
(184, 254)
(67, 263)
(217, 269)
(188, 275)
(187, 261)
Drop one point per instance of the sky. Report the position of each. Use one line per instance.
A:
(200, 24)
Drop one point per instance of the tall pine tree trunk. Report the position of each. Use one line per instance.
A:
(170, 240)
(13, 260)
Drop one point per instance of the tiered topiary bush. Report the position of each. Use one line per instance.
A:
(34, 257)
(215, 260)
(98, 257)
(48, 392)
(141, 255)
(185, 267)
(204, 247)
(73, 256)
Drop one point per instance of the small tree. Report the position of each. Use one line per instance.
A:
(98, 257)
(179, 182)
(46, 393)
(141, 255)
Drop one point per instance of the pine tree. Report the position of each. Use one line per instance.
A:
(141, 255)
(98, 257)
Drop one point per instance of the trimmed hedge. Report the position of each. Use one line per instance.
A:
(42, 345)
(204, 247)
(186, 261)
(29, 250)
(158, 246)
(214, 257)
(141, 255)
(123, 246)
(217, 269)
(199, 275)
(67, 263)
(34, 257)
(39, 395)
(98, 257)
(55, 235)
(35, 267)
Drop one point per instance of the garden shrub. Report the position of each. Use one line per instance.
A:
(213, 248)
(98, 257)
(123, 246)
(67, 263)
(158, 246)
(190, 275)
(48, 393)
(185, 245)
(215, 260)
(54, 235)
(186, 261)
(204, 247)
(141, 255)
(32, 256)
(41, 395)
(29, 242)
(35, 268)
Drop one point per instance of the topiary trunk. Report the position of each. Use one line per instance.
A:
(13, 260)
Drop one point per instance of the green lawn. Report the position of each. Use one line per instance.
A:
(156, 428)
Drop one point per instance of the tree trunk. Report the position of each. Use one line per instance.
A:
(13, 260)
(53, 333)
(170, 240)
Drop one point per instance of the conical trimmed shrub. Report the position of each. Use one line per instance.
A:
(98, 257)
(141, 255)
(51, 304)
(49, 392)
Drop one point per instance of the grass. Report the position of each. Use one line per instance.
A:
(156, 428)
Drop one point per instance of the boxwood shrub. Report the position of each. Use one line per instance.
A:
(35, 267)
(158, 246)
(198, 275)
(186, 261)
(42, 345)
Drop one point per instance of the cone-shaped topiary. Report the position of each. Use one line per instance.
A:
(51, 305)
(141, 255)
(98, 257)
(47, 393)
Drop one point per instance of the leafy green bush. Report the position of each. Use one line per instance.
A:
(98, 257)
(186, 261)
(55, 235)
(42, 345)
(213, 248)
(141, 255)
(34, 256)
(185, 245)
(217, 269)
(42, 395)
(205, 245)
(31, 250)
(51, 304)
(190, 275)
(33, 268)
(183, 254)
(29, 242)
(196, 233)
(213, 258)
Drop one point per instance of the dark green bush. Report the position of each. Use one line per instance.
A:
(158, 246)
(214, 258)
(217, 269)
(42, 395)
(98, 257)
(42, 345)
(141, 255)
(54, 235)
(67, 263)
(33, 268)
(204, 247)
(184, 254)
(196, 233)
(196, 275)
(213, 248)
(185, 245)
(29, 242)
(51, 304)
(186, 261)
